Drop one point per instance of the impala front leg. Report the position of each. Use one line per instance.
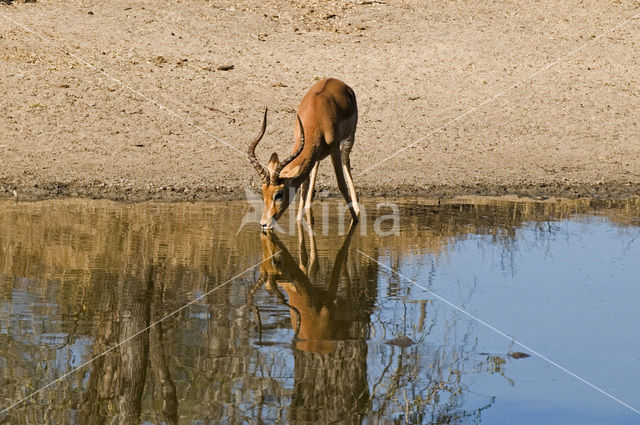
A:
(303, 196)
(309, 195)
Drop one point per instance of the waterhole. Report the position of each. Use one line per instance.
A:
(466, 311)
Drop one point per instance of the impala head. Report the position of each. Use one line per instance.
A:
(277, 190)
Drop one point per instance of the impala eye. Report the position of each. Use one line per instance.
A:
(277, 196)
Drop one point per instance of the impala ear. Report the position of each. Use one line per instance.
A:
(290, 173)
(272, 166)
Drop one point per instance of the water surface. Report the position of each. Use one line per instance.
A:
(303, 328)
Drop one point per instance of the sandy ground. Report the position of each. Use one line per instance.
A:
(134, 99)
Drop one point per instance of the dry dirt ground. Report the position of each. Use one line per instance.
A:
(139, 99)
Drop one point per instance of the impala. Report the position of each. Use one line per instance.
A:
(327, 118)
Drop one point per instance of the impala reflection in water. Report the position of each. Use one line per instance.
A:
(330, 350)
(318, 332)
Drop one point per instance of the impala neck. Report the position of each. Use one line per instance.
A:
(300, 168)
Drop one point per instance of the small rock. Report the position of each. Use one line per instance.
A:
(400, 341)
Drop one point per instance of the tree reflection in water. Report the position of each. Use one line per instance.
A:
(117, 379)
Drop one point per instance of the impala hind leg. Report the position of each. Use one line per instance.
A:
(345, 151)
(342, 184)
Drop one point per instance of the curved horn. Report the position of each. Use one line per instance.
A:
(252, 151)
(296, 153)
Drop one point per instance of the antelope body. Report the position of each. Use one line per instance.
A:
(327, 118)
